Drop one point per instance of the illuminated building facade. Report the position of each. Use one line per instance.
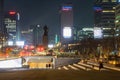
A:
(117, 20)
(104, 11)
(66, 23)
(11, 22)
(85, 33)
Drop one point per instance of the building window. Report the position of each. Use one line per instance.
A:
(105, 0)
(108, 11)
(113, 0)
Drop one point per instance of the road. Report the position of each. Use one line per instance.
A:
(77, 71)
(55, 74)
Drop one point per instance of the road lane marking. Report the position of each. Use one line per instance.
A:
(74, 68)
(59, 68)
(81, 67)
(64, 67)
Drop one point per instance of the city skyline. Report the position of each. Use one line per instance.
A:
(46, 12)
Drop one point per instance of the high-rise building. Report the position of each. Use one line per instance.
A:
(26, 36)
(66, 22)
(105, 16)
(117, 26)
(11, 22)
(37, 34)
(117, 20)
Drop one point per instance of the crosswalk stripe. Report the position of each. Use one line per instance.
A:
(59, 68)
(73, 67)
(95, 68)
(81, 67)
(85, 68)
(103, 69)
(85, 65)
(64, 67)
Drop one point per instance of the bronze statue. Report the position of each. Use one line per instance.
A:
(45, 37)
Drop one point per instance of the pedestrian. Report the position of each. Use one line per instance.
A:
(100, 65)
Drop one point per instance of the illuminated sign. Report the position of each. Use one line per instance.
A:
(67, 32)
(10, 43)
(66, 8)
(97, 8)
(12, 12)
(20, 43)
(98, 32)
(50, 46)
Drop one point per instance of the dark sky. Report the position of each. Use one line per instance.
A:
(47, 12)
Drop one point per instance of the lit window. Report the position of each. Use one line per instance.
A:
(105, 1)
(113, 7)
(106, 28)
(113, 0)
(108, 11)
(116, 21)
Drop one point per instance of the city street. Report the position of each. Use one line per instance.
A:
(75, 71)
(37, 74)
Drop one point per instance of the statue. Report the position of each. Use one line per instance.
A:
(45, 37)
(45, 31)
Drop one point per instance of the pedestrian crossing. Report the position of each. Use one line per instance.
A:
(72, 67)
(64, 67)
(81, 66)
(78, 66)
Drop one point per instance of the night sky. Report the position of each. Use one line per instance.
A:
(46, 12)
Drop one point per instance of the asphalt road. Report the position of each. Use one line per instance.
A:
(38, 74)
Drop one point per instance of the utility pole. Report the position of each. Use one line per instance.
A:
(1, 16)
(2, 32)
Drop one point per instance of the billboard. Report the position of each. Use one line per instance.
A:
(20, 43)
(10, 43)
(98, 32)
(67, 32)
